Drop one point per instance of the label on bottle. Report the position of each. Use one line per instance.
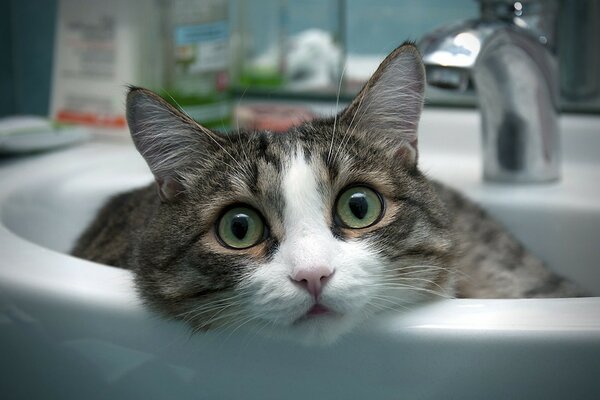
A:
(203, 47)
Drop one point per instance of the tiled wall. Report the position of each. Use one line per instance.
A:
(378, 26)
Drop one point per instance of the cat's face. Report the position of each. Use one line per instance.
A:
(303, 234)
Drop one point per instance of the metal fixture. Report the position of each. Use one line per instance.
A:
(508, 56)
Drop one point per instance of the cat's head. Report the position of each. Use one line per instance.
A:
(302, 234)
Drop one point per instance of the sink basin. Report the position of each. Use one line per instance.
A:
(70, 328)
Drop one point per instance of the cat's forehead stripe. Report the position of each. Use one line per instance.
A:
(303, 202)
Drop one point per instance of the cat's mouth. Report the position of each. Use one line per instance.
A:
(317, 311)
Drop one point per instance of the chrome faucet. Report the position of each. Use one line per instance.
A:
(508, 56)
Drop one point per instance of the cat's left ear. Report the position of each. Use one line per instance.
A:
(390, 103)
(171, 142)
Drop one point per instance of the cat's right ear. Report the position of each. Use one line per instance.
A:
(169, 140)
(390, 103)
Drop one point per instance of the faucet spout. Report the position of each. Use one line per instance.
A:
(515, 76)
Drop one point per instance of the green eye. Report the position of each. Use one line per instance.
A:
(359, 207)
(240, 228)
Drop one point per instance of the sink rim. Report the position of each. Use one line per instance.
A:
(87, 283)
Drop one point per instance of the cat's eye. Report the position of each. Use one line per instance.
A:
(359, 207)
(241, 227)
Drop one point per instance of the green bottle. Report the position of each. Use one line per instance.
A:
(196, 75)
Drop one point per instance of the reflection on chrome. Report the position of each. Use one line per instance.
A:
(507, 55)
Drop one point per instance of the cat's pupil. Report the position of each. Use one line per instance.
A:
(358, 205)
(239, 226)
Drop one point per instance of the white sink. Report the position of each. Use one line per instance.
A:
(74, 329)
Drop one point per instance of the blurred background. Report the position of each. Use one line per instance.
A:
(72, 59)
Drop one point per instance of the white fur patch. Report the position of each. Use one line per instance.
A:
(308, 237)
(309, 242)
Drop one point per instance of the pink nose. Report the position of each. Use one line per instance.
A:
(312, 279)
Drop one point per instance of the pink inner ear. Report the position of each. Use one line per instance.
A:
(168, 188)
(409, 151)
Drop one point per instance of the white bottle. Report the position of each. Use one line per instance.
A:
(100, 48)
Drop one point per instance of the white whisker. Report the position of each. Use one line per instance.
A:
(337, 103)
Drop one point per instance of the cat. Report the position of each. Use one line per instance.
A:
(304, 234)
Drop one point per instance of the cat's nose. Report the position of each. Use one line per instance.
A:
(312, 279)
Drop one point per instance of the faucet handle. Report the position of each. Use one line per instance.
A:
(538, 17)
